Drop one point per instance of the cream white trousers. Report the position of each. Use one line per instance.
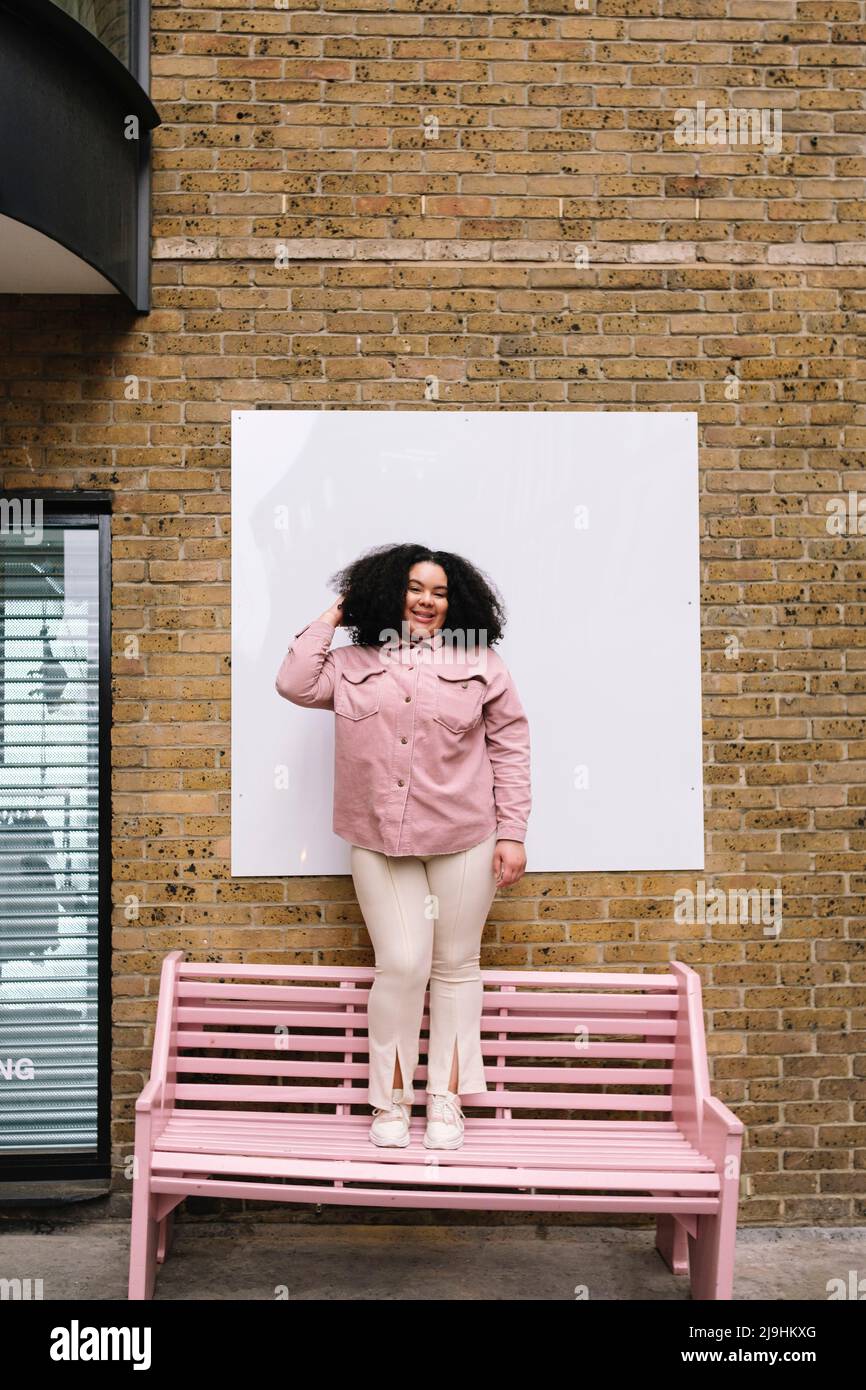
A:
(425, 915)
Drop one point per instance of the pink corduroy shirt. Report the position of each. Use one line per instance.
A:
(431, 750)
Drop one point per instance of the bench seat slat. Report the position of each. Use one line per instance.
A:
(342, 1170)
(332, 1129)
(569, 1160)
(489, 1155)
(662, 1128)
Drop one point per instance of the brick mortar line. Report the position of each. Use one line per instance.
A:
(362, 252)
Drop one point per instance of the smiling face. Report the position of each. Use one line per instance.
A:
(426, 598)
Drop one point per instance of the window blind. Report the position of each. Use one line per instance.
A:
(49, 821)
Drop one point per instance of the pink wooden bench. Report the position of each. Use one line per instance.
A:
(258, 1091)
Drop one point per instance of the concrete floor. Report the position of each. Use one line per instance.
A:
(261, 1260)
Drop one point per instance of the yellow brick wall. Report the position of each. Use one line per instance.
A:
(352, 198)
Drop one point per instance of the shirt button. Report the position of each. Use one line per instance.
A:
(407, 698)
(400, 782)
(463, 685)
(404, 740)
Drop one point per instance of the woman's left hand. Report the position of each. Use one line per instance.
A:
(509, 862)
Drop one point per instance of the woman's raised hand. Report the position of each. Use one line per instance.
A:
(334, 614)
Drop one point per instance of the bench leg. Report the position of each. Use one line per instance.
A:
(711, 1260)
(711, 1252)
(144, 1239)
(166, 1232)
(672, 1244)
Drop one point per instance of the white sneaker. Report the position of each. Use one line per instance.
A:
(390, 1128)
(444, 1121)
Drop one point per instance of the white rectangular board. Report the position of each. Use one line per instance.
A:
(588, 524)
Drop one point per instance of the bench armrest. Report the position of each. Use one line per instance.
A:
(152, 1100)
(151, 1097)
(717, 1116)
(721, 1139)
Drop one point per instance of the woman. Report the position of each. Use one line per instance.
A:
(432, 791)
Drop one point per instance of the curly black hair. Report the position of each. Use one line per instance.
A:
(374, 594)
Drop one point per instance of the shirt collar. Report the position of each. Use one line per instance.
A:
(431, 642)
(422, 648)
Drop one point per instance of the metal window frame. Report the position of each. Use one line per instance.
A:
(92, 510)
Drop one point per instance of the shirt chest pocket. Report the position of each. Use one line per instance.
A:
(358, 693)
(458, 700)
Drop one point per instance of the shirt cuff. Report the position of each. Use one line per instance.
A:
(319, 623)
(511, 832)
